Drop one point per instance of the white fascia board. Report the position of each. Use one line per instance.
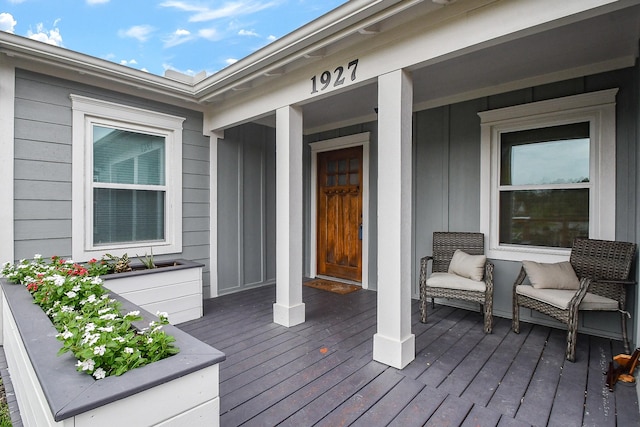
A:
(295, 43)
(64, 63)
(459, 28)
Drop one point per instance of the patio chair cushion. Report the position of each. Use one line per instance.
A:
(453, 281)
(560, 298)
(551, 276)
(469, 266)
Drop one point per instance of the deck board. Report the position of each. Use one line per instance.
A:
(538, 399)
(321, 372)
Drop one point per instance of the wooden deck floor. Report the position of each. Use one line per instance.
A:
(322, 372)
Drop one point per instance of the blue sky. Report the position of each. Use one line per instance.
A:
(188, 36)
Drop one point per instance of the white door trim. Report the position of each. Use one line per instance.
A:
(360, 139)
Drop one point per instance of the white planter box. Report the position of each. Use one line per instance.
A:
(175, 288)
(181, 390)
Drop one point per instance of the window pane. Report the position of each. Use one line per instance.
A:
(125, 157)
(127, 215)
(552, 155)
(544, 218)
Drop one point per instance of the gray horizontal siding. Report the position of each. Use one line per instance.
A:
(43, 169)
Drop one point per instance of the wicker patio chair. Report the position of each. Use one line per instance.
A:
(603, 268)
(445, 245)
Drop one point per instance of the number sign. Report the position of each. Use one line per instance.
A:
(338, 77)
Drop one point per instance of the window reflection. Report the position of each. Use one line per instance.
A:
(544, 186)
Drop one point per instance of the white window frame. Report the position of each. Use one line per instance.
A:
(87, 112)
(597, 108)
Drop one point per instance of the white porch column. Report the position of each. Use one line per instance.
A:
(394, 344)
(214, 137)
(289, 308)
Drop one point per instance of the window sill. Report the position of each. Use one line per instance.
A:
(530, 253)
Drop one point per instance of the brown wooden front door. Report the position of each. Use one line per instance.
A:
(340, 213)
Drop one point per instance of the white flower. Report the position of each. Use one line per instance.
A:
(58, 280)
(128, 350)
(106, 329)
(66, 334)
(90, 339)
(76, 288)
(90, 327)
(118, 339)
(71, 294)
(105, 310)
(96, 281)
(92, 298)
(133, 313)
(37, 256)
(87, 365)
(149, 340)
(99, 350)
(162, 314)
(66, 309)
(110, 316)
(99, 374)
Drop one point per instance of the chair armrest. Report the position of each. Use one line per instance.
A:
(579, 296)
(520, 279)
(488, 276)
(616, 282)
(423, 269)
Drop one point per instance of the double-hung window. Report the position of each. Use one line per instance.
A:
(548, 175)
(127, 169)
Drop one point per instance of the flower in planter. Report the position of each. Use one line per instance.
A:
(89, 322)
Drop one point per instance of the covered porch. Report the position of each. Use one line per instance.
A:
(425, 90)
(321, 372)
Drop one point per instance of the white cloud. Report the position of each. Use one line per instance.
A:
(129, 62)
(230, 61)
(271, 38)
(138, 32)
(178, 37)
(209, 33)
(41, 34)
(229, 9)
(7, 23)
(92, 2)
(16, 1)
(250, 33)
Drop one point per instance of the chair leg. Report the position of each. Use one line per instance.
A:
(515, 319)
(572, 335)
(423, 309)
(423, 295)
(488, 317)
(625, 339)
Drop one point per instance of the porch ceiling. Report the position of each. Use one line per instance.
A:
(589, 46)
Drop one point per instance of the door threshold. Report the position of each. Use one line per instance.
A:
(338, 279)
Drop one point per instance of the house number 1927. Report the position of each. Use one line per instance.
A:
(338, 77)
